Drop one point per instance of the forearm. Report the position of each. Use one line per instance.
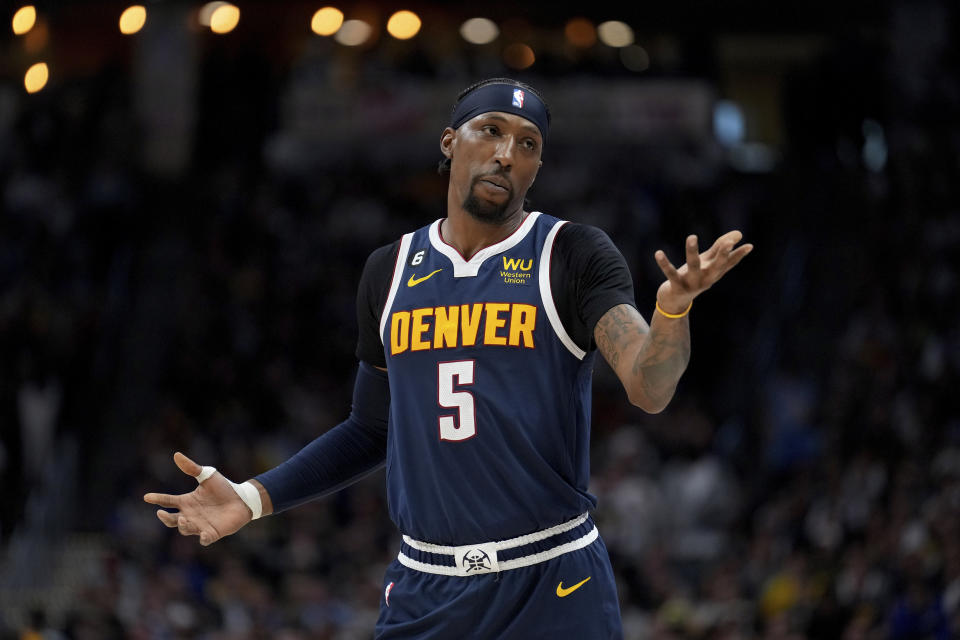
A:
(339, 457)
(660, 362)
(648, 360)
(335, 460)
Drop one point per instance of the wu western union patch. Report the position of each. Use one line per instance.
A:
(516, 270)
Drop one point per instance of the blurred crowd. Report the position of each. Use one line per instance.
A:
(804, 483)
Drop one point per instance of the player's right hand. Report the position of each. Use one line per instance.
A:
(212, 510)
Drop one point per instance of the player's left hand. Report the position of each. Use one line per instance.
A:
(700, 272)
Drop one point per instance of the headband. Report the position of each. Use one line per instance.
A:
(502, 97)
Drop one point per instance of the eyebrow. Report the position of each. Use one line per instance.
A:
(526, 124)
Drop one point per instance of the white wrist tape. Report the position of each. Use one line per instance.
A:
(250, 496)
(247, 492)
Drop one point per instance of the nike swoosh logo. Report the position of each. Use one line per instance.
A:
(414, 280)
(563, 593)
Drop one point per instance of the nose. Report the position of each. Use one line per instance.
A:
(504, 152)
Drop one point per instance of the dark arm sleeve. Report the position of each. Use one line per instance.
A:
(588, 276)
(358, 445)
(342, 455)
(371, 298)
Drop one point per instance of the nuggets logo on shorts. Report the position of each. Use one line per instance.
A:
(476, 560)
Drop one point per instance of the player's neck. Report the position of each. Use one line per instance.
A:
(468, 235)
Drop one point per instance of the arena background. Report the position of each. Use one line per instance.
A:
(183, 220)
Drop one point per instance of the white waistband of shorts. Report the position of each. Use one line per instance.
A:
(489, 551)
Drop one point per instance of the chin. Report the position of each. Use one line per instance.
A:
(486, 211)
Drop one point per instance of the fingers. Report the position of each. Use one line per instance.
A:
(731, 237)
(701, 271)
(730, 260)
(163, 500)
(724, 248)
(187, 465)
(728, 241)
(209, 537)
(736, 256)
(167, 518)
(693, 253)
(187, 527)
(724, 244)
(666, 266)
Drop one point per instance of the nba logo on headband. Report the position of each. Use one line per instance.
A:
(502, 96)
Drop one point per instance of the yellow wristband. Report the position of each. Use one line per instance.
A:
(674, 315)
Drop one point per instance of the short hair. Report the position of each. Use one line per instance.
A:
(444, 166)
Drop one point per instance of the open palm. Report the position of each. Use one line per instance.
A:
(701, 270)
(212, 510)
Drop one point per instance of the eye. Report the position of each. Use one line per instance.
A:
(490, 129)
(529, 144)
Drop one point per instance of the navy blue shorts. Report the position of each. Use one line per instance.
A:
(571, 596)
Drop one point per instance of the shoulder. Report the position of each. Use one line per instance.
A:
(576, 243)
(573, 233)
(386, 253)
(376, 276)
(588, 277)
(381, 261)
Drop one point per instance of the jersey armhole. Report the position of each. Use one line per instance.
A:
(546, 294)
(395, 281)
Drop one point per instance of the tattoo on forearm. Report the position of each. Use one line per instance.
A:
(649, 360)
(616, 325)
(663, 358)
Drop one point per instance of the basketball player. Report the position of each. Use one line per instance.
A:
(478, 335)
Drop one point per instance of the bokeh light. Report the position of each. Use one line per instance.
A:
(614, 33)
(36, 77)
(635, 58)
(874, 152)
(132, 19)
(518, 56)
(403, 25)
(479, 31)
(24, 19)
(580, 32)
(37, 39)
(353, 33)
(326, 21)
(206, 12)
(224, 18)
(729, 124)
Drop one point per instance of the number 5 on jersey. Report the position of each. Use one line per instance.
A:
(464, 425)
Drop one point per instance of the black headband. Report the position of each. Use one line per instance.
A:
(502, 97)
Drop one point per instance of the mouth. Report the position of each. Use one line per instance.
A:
(495, 183)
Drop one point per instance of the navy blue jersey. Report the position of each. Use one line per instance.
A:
(489, 423)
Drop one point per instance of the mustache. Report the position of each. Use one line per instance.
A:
(499, 173)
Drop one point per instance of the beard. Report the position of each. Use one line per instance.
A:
(483, 210)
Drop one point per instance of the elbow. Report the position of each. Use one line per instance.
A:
(648, 404)
(654, 409)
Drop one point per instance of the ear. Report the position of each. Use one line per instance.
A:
(448, 141)
(537, 173)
